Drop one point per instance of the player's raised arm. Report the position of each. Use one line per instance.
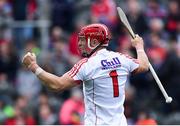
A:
(51, 81)
(142, 58)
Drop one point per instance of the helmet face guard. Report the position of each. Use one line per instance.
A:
(94, 32)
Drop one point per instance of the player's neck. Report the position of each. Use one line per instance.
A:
(100, 48)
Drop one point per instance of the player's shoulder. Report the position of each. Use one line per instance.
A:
(129, 57)
(82, 61)
(124, 56)
(115, 53)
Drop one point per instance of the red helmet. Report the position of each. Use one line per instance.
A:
(100, 32)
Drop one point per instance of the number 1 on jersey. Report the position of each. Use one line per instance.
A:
(113, 74)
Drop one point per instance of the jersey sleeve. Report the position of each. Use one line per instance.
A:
(78, 72)
(132, 63)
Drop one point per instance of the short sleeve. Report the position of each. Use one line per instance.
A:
(132, 63)
(78, 72)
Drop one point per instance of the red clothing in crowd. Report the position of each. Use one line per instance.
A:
(71, 112)
(20, 121)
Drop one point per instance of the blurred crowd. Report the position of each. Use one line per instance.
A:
(24, 99)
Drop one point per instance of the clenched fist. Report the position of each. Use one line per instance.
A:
(29, 60)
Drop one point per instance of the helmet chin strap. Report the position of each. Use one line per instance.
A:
(89, 46)
(94, 48)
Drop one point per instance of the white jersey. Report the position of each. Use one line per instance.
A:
(104, 76)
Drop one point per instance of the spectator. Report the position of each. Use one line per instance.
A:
(169, 73)
(178, 33)
(155, 10)
(124, 45)
(130, 105)
(22, 114)
(31, 10)
(136, 17)
(173, 17)
(23, 87)
(156, 26)
(6, 88)
(157, 51)
(104, 11)
(8, 60)
(145, 119)
(6, 110)
(56, 34)
(72, 110)
(46, 116)
(6, 19)
(63, 14)
(47, 99)
(59, 57)
(22, 11)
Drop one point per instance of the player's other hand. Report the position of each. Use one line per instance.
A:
(138, 42)
(29, 60)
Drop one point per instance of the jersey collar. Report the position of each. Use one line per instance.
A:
(101, 51)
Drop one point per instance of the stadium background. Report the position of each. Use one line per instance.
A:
(49, 28)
